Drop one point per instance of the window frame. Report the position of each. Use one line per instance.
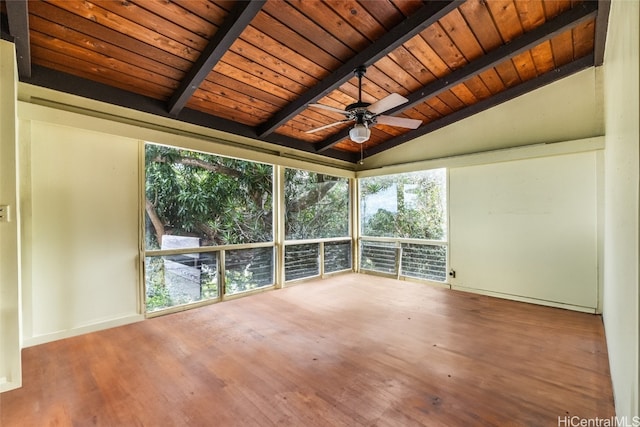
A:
(321, 241)
(278, 242)
(399, 241)
(219, 250)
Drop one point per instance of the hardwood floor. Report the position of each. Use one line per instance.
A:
(353, 350)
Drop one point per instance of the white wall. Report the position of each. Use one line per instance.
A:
(81, 222)
(10, 371)
(621, 295)
(527, 229)
(80, 190)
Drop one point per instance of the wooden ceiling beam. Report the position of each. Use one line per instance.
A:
(541, 34)
(408, 28)
(67, 83)
(602, 25)
(497, 99)
(238, 19)
(18, 17)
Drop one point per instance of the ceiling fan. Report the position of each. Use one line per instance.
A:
(366, 115)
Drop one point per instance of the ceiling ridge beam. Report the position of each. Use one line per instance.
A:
(234, 24)
(407, 29)
(18, 17)
(526, 41)
(499, 98)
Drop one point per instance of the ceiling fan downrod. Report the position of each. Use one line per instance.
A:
(359, 72)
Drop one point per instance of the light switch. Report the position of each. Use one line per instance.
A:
(4, 213)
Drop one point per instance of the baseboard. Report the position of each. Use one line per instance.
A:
(530, 300)
(9, 385)
(94, 327)
(444, 285)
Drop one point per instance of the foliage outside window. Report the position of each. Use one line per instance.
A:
(316, 205)
(301, 261)
(424, 261)
(248, 269)
(180, 279)
(379, 256)
(197, 200)
(411, 205)
(337, 256)
(219, 200)
(316, 208)
(398, 208)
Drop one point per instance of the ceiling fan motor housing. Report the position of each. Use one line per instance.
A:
(357, 105)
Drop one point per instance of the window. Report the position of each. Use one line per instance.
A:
(411, 205)
(196, 201)
(317, 210)
(301, 261)
(404, 224)
(424, 261)
(209, 226)
(317, 205)
(337, 256)
(180, 279)
(247, 269)
(218, 200)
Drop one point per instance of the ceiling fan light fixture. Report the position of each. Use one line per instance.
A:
(359, 133)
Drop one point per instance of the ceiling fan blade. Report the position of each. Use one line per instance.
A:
(326, 107)
(387, 103)
(327, 126)
(399, 121)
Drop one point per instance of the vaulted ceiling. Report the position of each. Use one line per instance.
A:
(252, 68)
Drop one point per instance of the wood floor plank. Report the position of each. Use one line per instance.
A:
(352, 350)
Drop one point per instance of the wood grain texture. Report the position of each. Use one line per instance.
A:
(292, 47)
(352, 350)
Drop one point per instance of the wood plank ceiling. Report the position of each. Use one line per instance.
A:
(253, 68)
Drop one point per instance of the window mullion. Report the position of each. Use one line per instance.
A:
(278, 225)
